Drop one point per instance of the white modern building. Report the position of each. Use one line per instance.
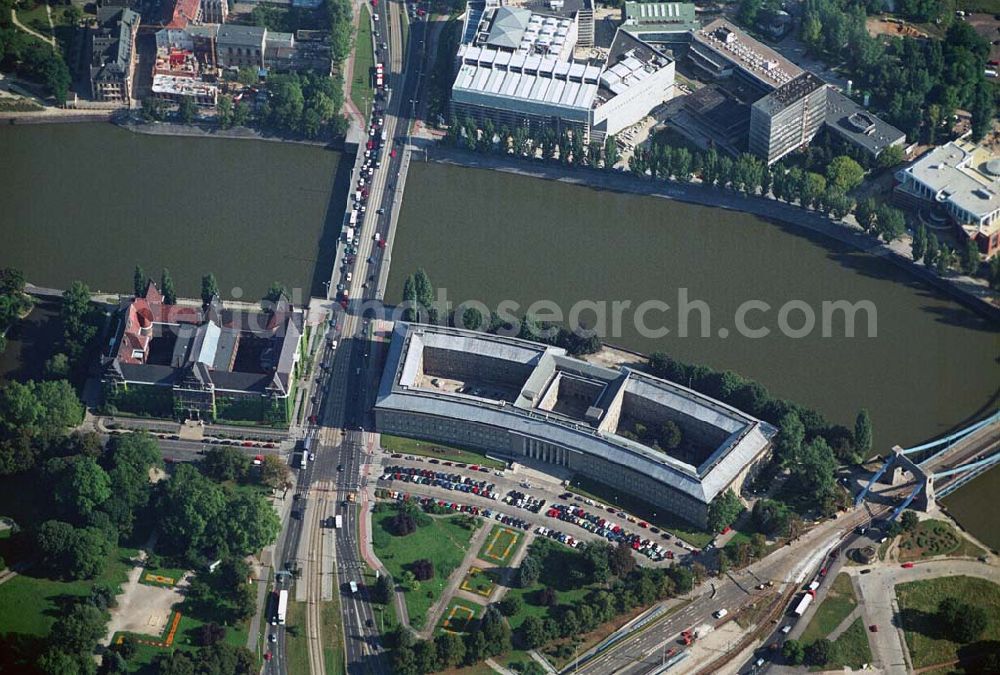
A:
(532, 403)
(963, 179)
(518, 86)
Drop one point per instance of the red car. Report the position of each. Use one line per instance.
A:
(907, 566)
(393, 153)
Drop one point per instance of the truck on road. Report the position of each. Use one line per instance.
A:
(803, 604)
(282, 612)
(339, 521)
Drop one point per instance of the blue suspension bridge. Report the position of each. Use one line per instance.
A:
(946, 459)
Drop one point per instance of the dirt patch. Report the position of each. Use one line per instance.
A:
(144, 609)
(893, 27)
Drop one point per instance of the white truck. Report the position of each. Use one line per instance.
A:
(339, 521)
(349, 232)
(282, 607)
(804, 603)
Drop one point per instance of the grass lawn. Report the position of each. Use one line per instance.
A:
(987, 6)
(443, 541)
(839, 602)
(161, 576)
(37, 18)
(501, 545)
(558, 562)
(410, 446)
(850, 649)
(29, 605)
(918, 602)
(479, 581)
(934, 538)
(296, 638)
(333, 647)
(642, 510)
(458, 615)
(364, 63)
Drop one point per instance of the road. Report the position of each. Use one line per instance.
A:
(346, 381)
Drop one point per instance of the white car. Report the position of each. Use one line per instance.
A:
(786, 630)
(721, 614)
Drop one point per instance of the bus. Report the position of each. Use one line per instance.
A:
(282, 606)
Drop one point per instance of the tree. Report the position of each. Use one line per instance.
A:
(450, 650)
(547, 597)
(865, 213)
(621, 561)
(224, 111)
(275, 473)
(251, 522)
(275, 292)
(472, 319)
(529, 571)
(610, 151)
(423, 569)
(210, 633)
(793, 652)
(983, 110)
(152, 109)
(933, 250)
(57, 367)
(167, 288)
(83, 487)
(918, 245)
(844, 173)
(191, 511)
(890, 157)
(595, 556)
(382, 590)
(533, 632)
(139, 281)
(889, 223)
(909, 521)
(813, 185)
(511, 604)
(12, 281)
(77, 631)
(863, 433)
(970, 257)
(402, 524)
(818, 653)
(209, 288)
(813, 474)
(127, 647)
(723, 511)
(186, 111)
(225, 463)
(241, 114)
(771, 517)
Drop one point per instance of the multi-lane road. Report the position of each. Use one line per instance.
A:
(346, 381)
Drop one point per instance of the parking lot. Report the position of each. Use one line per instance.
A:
(508, 497)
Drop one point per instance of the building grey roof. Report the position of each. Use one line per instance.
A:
(243, 36)
(950, 172)
(789, 93)
(289, 349)
(208, 30)
(111, 43)
(759, 61)
(858, 126)
(509, 24)
(745, 437)
(146, 374)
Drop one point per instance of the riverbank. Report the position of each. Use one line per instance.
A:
(971, 294)
(214, 131)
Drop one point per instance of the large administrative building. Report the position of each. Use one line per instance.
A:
(517, 68)
(525, 400)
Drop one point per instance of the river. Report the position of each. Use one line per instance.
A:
(90, 201)
(491, 236)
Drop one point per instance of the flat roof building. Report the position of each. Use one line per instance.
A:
(522, 88)
(963, 179)
(787, 118)
(722, 50)
(666, 23)
(531, 402)
(858, 126)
